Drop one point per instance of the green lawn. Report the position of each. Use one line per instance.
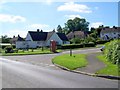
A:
(29, 52)
(110, 69)
(71, 62)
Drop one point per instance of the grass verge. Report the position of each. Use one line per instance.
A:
(71, 62)
(110, 69)
(29, 52)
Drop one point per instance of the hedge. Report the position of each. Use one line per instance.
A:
(112, 51)
(101, 42)
(72, 46)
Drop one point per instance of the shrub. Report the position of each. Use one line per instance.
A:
(9, 49)
(112, 51)
(76, 40)
(14, 46)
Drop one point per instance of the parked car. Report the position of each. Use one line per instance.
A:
(102, 48)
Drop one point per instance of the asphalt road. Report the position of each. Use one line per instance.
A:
(23, 75)
(37, 71)
(44, 60)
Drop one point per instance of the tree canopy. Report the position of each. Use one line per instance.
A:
(59, 29)
(77, 24)
(5, 39)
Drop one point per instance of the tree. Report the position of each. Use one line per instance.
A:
(5, 39)
(59, 29)
(81, 24)
(92, 29)
(64, 30)
(77, 24)
(70, 25)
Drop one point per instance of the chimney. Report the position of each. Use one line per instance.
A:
(41, 30)
(13, 36)
(114, 27)
(38, 30)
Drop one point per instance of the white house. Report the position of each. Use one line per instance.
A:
(110, 33)
(38, 38)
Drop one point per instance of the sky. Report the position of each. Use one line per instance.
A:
(21, 17)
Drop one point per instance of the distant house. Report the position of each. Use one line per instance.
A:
(78, 34)
(38, 38)
(110, 33)
(15, 39)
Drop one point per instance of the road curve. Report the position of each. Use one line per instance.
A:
(22, 75)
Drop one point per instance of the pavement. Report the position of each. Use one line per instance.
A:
(25, 75)
(93, 64)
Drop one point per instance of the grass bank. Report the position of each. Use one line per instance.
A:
(110, 69)
(71, 62)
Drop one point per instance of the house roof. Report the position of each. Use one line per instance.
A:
(20, 38)
(79, 34)
(14, 39)
(110, 30)
(43, 36)
(62, 36)
(38, 36)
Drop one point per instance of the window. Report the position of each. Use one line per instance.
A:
(64, 42)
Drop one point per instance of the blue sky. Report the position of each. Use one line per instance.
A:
(21, 17)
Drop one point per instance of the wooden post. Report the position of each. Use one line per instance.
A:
(70, 52)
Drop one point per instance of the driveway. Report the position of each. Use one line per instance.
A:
(45, 60)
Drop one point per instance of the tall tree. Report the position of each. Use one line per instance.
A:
(59, 29)
(77, 24)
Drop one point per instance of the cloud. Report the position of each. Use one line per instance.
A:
(44, 27)
(49, 2)
(15, 32)
(96, 24)
(73, 16)
(71, 6)
(11, 18)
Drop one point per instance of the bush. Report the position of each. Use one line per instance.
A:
(112, 51)
(9, 49)
(14, 46)
(76, 40)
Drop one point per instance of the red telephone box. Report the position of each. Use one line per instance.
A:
(53, 46)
